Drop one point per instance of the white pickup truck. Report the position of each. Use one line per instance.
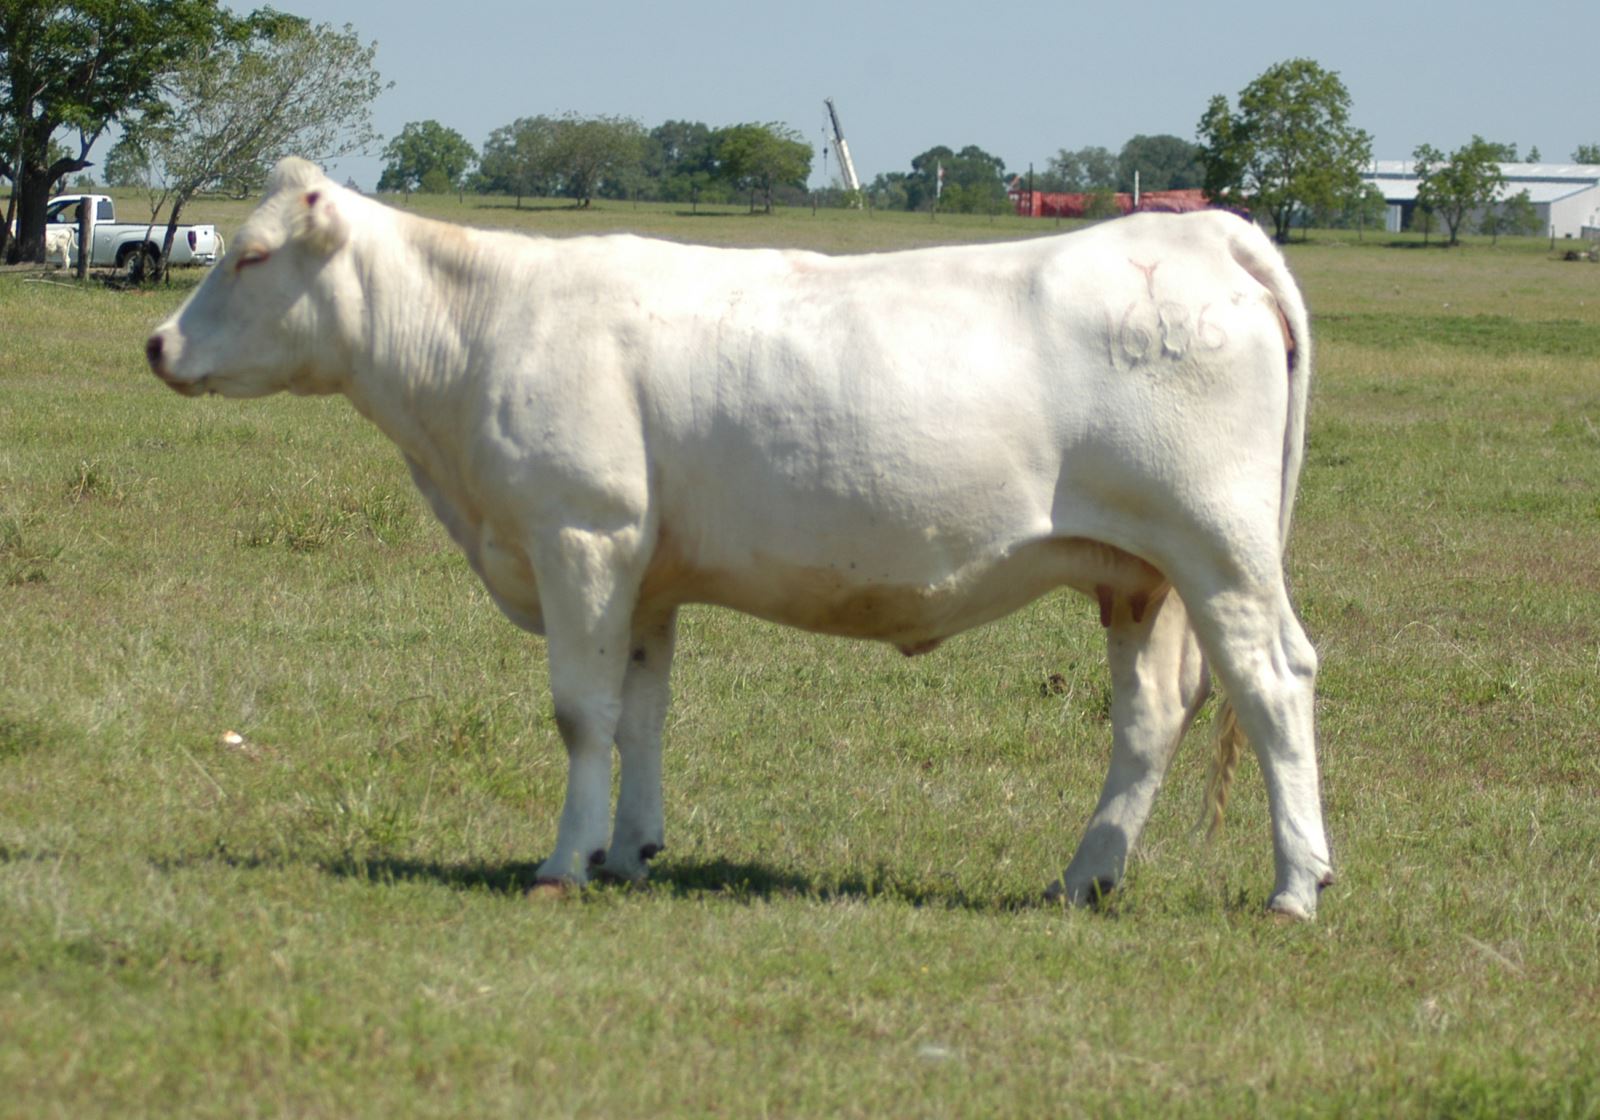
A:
(127, 246)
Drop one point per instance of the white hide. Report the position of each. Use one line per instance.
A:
(62, 242)
(896, 446)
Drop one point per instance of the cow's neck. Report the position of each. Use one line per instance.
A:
(423, 302)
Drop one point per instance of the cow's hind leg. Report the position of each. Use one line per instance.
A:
(587, 588)
(638, 834)
(1261, 655)
(1158, 681)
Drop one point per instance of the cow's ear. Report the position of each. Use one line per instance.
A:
(320, 224)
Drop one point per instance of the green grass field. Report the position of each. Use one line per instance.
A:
(328, 918)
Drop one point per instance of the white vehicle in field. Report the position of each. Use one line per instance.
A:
(127, 245)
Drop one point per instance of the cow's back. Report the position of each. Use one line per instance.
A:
(900, 426)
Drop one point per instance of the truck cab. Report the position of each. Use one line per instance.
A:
(130, 246)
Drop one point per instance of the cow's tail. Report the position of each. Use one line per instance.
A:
(1261, 259)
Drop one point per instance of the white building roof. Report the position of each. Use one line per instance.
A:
(1544, 182)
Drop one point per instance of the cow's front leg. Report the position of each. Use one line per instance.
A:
(587, 588)
(638, 834)
(1158, 682)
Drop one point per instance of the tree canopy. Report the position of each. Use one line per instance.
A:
(426, 156)
(567, 155)
(614, 157)
(973, 180)
(1085, 169)
(680, 162)
(1515, 216)
(1163, 163)
(79, 65)
(1289, 147)
(760, 157)
(1467, 180)
(275, 85)
(589, 152)
(516, 159)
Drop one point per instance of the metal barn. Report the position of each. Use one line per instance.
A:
(1566, 196)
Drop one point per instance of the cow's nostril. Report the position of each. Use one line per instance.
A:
(152, 352)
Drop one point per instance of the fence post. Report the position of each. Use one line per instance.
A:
(85, 236)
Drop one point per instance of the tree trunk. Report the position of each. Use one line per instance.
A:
(33, 192)
(5, 226)
(1280, 225)
(162, 266)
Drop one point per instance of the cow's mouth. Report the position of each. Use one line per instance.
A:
(180, 386)
(187, 388)
(155, 354)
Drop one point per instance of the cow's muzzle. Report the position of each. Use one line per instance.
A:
(156, 353)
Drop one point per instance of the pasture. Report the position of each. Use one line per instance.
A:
(325, 914)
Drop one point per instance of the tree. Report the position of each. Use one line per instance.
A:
(572, 155)
(1366, 208)
(275, 85)
(1515, 217)
(1101, 204)
(127, 165)
(1289, 147)
(516, 159)
(680, 162)
(1087, 169)
(589, 151)
(1421, 218)
(80, 65)
(1454, 186)
(1164, 163)
(924, 184)
(889, 191)
(426, 154)
(974, 180)
(759, 157)
(1587, 153)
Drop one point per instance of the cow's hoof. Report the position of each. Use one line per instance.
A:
(549, 890)
(1286, 910)
(1299, 905)
(628, 863)
(621, 873)
(557, 878)
(1090, 894)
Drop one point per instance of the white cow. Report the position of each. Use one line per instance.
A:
(897, 446)
(61, 241)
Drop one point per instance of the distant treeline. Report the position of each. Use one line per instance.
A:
(584, 158)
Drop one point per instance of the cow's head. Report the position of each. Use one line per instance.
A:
(279, 310)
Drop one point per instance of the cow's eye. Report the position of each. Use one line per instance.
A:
(249, 257)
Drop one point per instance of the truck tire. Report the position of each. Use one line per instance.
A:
(135, 262)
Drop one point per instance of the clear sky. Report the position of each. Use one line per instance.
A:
(1020, 80)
